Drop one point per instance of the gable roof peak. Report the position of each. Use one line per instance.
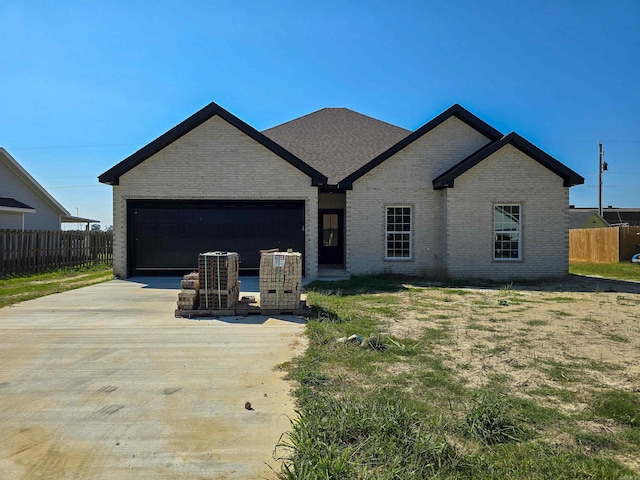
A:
(447, 179)
(31, 182)
(112, 176)
(455, 110)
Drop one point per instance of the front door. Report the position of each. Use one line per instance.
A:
(331, 237)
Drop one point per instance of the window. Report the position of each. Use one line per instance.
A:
(398, 232)
(330, 229)
(506, 229)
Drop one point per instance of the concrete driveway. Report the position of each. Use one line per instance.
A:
(105, 383)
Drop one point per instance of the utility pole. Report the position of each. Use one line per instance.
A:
(602, 168)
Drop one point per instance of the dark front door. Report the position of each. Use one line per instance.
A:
(331, 237)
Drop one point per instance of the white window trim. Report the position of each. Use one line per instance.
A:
(410, 232)
(493, 249)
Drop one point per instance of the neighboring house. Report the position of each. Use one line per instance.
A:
(585, 218)
(612, 216)
(25, 204)
(622, 216)
(454, 198)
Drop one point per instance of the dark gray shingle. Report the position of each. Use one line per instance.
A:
(13, 203)
(336, 141)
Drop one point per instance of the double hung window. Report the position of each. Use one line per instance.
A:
(398, 233)
(507, 230)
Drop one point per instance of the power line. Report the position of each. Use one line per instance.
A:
(608, 186)
(76, 186)
(52, 147)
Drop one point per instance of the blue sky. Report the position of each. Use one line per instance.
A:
(86, 83)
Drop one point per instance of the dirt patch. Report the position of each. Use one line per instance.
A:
(550, 341)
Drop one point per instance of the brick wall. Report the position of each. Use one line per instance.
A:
(215, 161)
(508, 176)
(406, 179)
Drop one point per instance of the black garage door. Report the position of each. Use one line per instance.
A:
(165, 237)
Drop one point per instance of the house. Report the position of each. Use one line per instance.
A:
(585, 218)
(25, 204)
(453, 198)
(622, 216)
(611, 216)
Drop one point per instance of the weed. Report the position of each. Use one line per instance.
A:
(537, 323)
(560, 299)
(589, 319)
(345, 438)
(489, 420)
(614, 337)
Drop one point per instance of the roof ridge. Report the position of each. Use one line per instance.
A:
(456, 110)
(333, 108)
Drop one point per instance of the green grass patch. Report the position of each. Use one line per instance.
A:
(400, 407)
(617, 271)
(594, 441)
(346, 438)
(619, 405)
(537, 323)
(615, 337)
(20, 288)
(560, 299)
(490, 419)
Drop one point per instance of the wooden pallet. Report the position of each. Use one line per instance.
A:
(244, 309)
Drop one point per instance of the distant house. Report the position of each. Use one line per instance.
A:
(612, 216)
(25, 204)
(622, 216)
(585, 218)
(454, 198)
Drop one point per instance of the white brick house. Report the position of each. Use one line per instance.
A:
(454, 198)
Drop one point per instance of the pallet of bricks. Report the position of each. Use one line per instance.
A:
(188, 296)
(280, 280)
(218, 278)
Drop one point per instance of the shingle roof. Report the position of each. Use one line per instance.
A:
(622, 215)
(13, 203)
(336, 141)
(578, 218)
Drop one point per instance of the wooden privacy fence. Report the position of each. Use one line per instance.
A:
(34, 251)
(603, 245)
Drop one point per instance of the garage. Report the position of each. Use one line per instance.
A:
(165, 237)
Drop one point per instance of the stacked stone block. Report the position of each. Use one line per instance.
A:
(188, 296)
(218, 279)
(280, 280)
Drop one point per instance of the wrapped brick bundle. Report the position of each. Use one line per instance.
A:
(218, 270)
(218, 280)
(280, 280)
(219, 299)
